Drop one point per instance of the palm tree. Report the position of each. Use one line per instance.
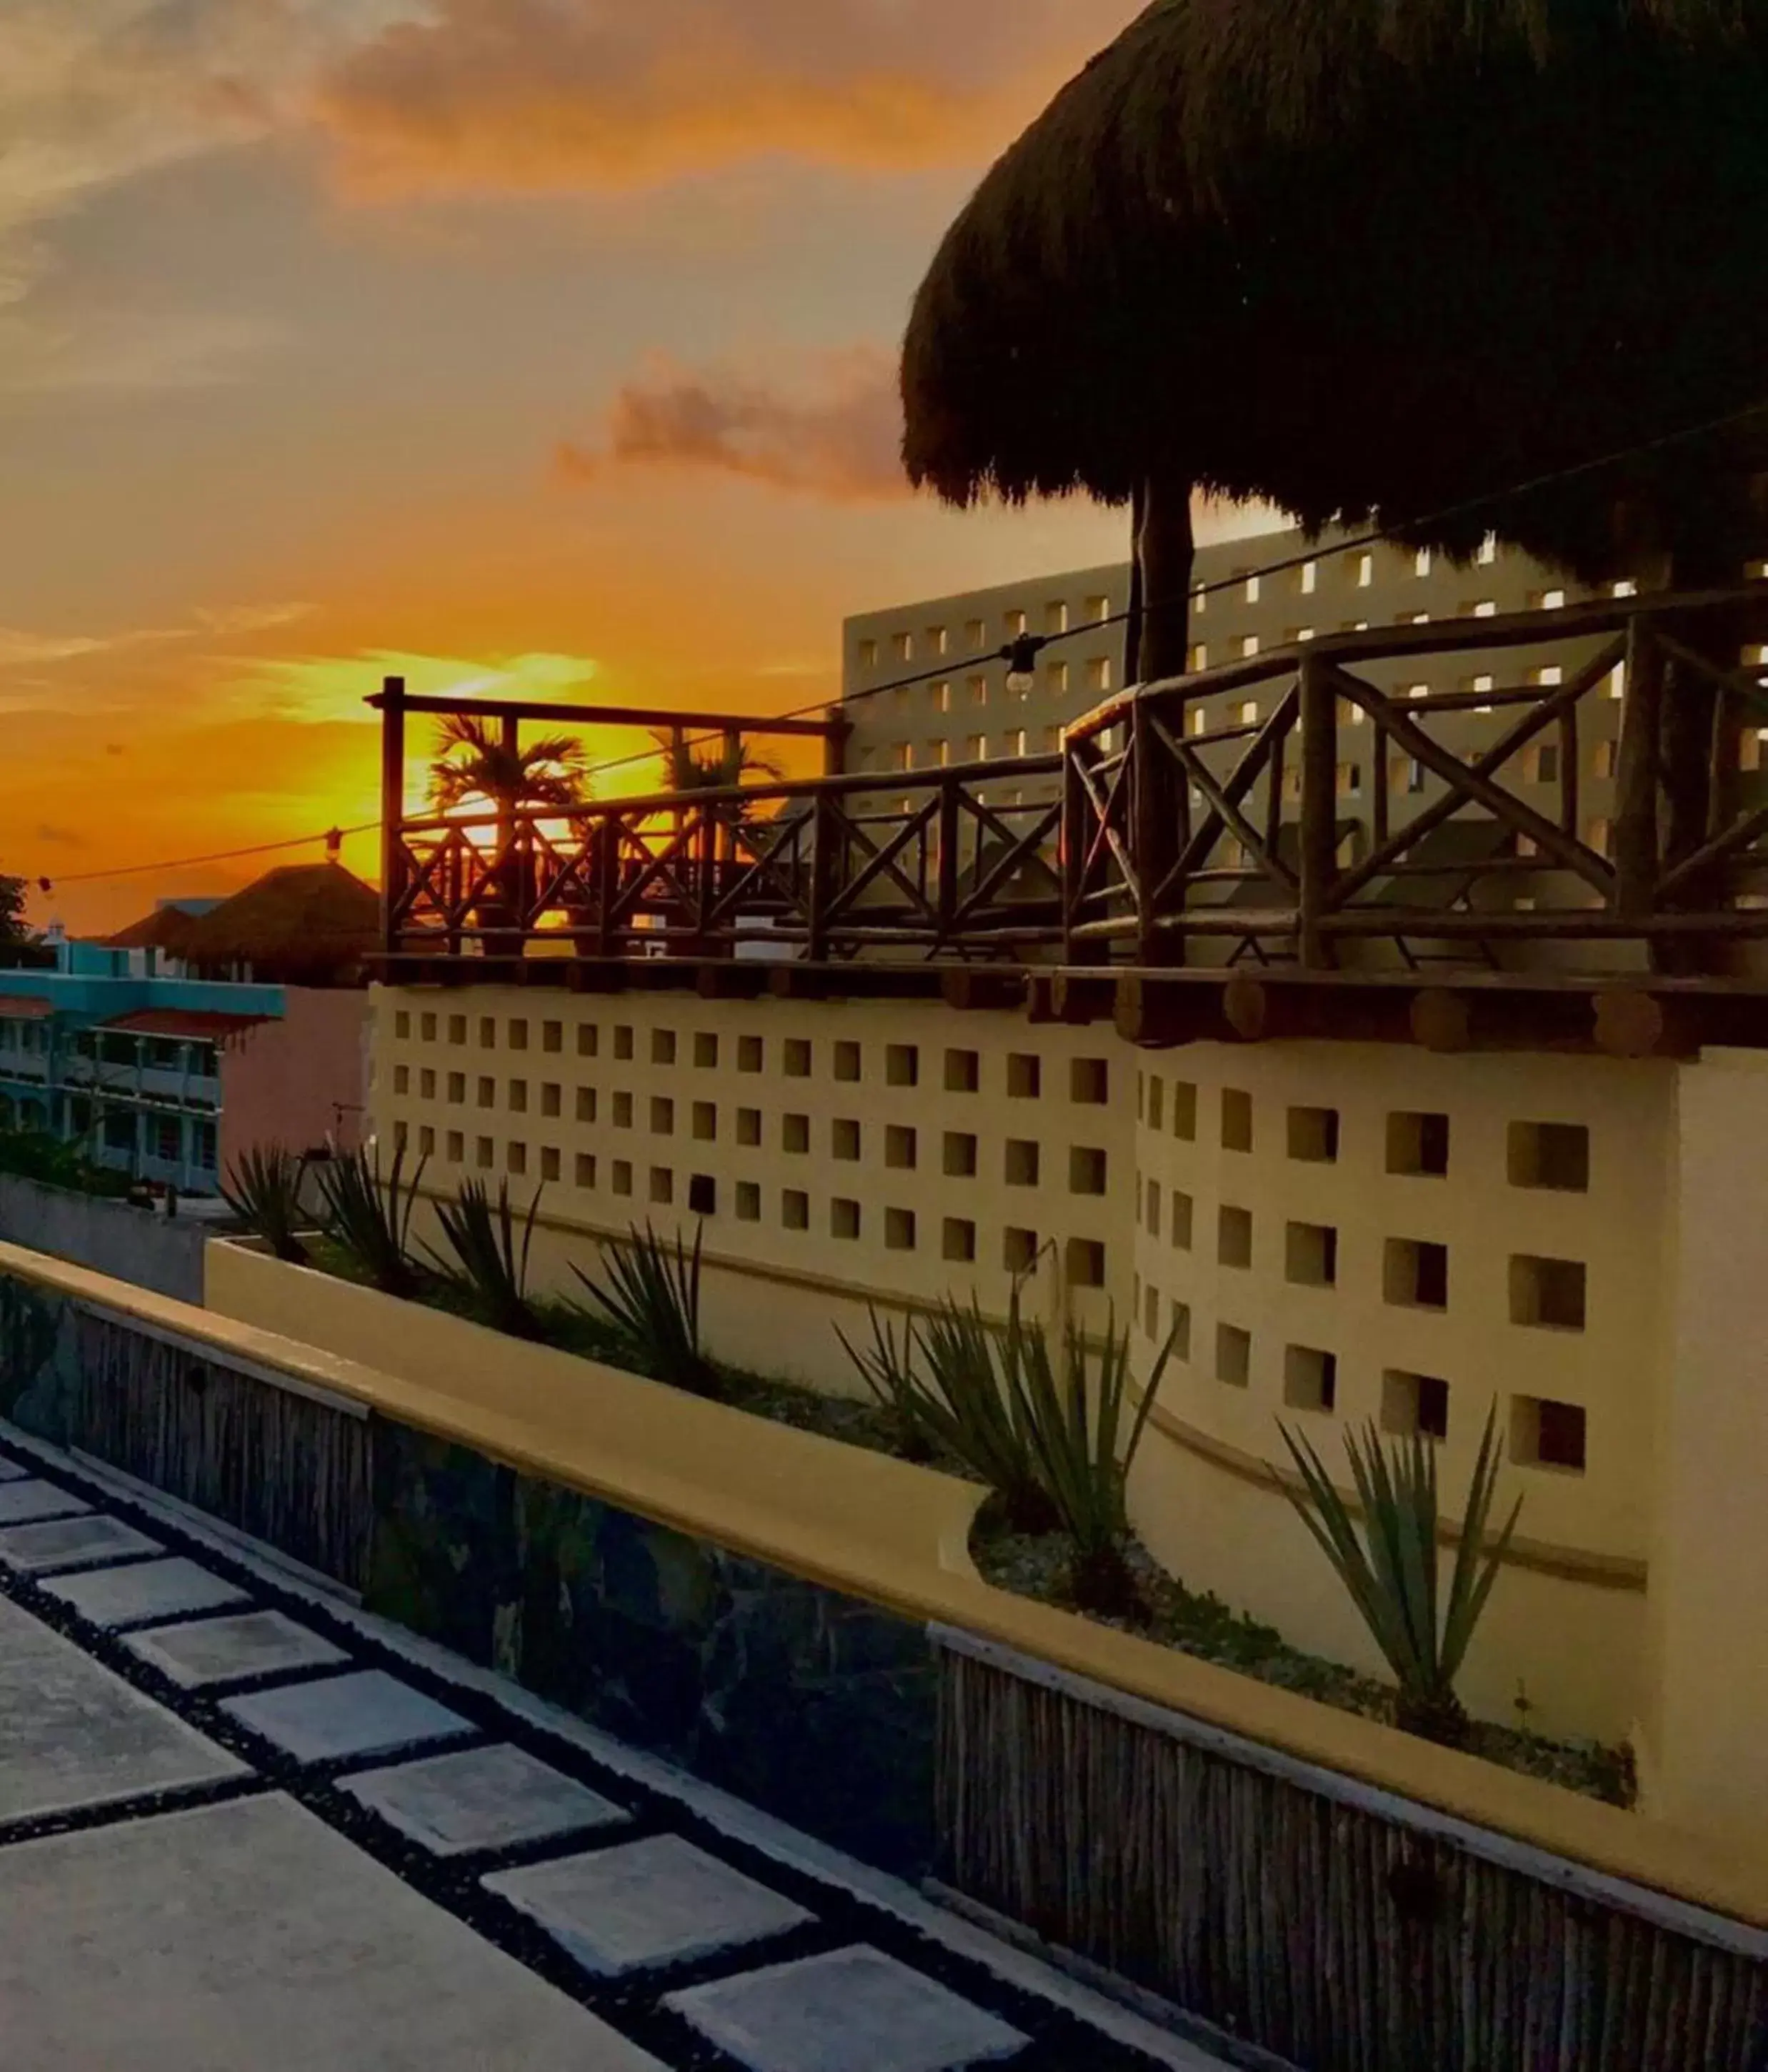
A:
(723, 769)
(1371, 262)
(473, 762)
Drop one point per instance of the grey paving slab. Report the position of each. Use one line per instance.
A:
(223, 1650)
(35, 1549)
(11, 1472)
(481, 1799)
(249, 1934)
(24, 1502)
(642, 1904)
(144, 1591)
(368, 1713)
(852, 2011)
(73, 1735)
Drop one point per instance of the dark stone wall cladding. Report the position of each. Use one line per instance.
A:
(805, 1703)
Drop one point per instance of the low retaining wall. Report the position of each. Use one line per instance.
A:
(799, 1620)
(128, 1243)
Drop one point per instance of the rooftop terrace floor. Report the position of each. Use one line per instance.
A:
(243, 1825)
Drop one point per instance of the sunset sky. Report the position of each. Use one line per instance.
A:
(544, 341)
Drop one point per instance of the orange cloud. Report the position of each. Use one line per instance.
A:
(554, 95)
(834, 431)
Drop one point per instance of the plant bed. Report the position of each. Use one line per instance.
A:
(1036, 1566)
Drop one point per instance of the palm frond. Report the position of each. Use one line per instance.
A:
(488, 1264)
(651, 1297)
(263, 1190)
(369, 1219)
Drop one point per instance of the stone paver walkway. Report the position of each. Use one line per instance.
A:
(242, 1825)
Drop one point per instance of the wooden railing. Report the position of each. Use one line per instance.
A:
(1335, 817)
(1607, 817)
(951, 865)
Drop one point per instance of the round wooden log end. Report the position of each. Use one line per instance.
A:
(1441, 1021)
(1629, 1024)
(1246, 1007)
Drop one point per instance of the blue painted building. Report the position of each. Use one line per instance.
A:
(118, 1051)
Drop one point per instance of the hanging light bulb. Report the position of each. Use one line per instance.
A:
(1021, 656)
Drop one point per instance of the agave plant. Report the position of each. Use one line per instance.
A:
(969, 1408)
(651, 1297)
(369, 1219)
(1082, 1449)
(1390, 1572)
(263, 1190)
(488, 1263)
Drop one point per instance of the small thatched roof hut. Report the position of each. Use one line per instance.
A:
(1371, 259)
(309, 924)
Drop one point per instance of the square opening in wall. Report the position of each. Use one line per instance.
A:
(702, 1194)
(1151, 1208)
(1314, 1135)
(705, 1051)
(622, 1176)
(552, 1037)
(426, 1083)
(1418, 1144)
(796, 1057)
(1024, 1075)
(847, 1064)
(583, 1170)
(1548, 1292)
(902, 1065)
(551, 1097)
(1086, 1169)
(586, 1104)
(622, 1042)
(705, 1122)
(663, 1185)
(1089, 1082)
(1310, 1255)
(962, 1071)
(1184, 1111)
(1021, 1163)
(401, 1079)
(960, 1155)
(401, 1025)
(1414, 1403)
(748, 1201)
(749, 1053)
(795, 1209)
(1544, 1434)
(749, 1126)
(1234, 1237)
(844, 1219)
(457, 1029)
(426, 1028)
(1150, 1311)
(1554, 1155)
(1019, 1250)
(663, 1117)
(1182, 1216)
(518, 1035)
(1149, 1099)
(844, 1138)
(899, 1147)
(663, 1046)
(457, 1147)
(622, 1111)
(1178, 1329)
(1310, 1378)
(795, 1134)
(958, 1240)
(487, 1032)
(1084, 1261)
(1236, 1119)
(1233, 1355)
(1415, 1273)
(484, 1154)
(549, 1163)
(426, 1144)
(516, 1157)
(487, 1093)
(588, 1039)
(899, 1229)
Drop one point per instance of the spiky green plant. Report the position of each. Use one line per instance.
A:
(263, 1190)
(651, 1298)
(1083, 1446)
(369, 1219)
(489, 1264)
(1391, 1570)
(969, 1408)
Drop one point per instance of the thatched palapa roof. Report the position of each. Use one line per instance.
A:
(304, 922)
(1370, 258)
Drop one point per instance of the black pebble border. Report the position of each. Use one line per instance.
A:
(1060, 2041)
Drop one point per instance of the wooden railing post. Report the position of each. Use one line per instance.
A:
(1636, 855)
(823, 827)
(950, 824)
(1319, 836)
(1154, 834)
(1078, 817)
(607, 842)
(392, 807)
